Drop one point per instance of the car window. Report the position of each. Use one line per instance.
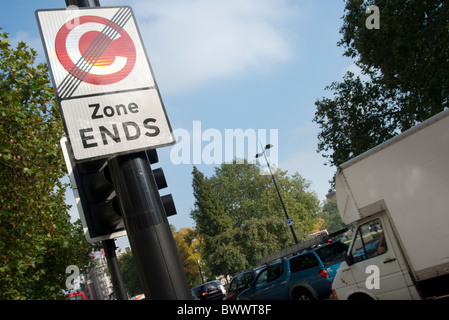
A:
(236, 282)
(369, 242)
(332, 253)
(248, 278)
(275, 272)
(196, 292)
(271, 273)
(303, 262)
(242, 281)
(262, 278)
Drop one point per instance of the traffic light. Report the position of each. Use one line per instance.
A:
(159, 177)
(94, 192)
(97, 203)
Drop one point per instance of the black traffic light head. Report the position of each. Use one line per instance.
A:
(98, 198)
(95, 195)
(159, 178)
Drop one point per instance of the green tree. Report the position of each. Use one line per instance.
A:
(405, 65)
(240, 248)
(209, 210)
(37, 239)
(208, 213)
(246, 193)
(130, 274)
(331, 216)
(239, 215)
(187, 244)
(358, 117)
(410, 51)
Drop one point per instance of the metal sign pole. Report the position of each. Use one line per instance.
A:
(108, 245)
(154, 248)
(114, 269)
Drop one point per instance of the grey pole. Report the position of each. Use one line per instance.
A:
(154, 249)
(114, 269)
(277, 189)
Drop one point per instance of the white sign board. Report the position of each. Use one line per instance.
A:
(109, 100)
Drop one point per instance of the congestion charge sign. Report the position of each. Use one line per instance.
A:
(109, 100)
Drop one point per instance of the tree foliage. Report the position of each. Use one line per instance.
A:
(240, 248)
(411, 51)
(240, 218)
(187, 242)
(359, 116)
(37, 239)
(130, 274)
(331, 216)
(404, 65)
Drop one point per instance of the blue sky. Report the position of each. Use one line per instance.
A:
(231, 64)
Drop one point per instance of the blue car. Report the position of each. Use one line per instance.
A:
(306, 276)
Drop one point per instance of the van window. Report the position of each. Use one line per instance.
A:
(303, 262)
(369, 242)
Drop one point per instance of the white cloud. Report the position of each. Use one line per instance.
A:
(193, 42)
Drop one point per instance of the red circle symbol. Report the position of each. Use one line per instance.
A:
(97, 50)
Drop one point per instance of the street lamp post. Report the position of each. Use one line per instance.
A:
(268, 146)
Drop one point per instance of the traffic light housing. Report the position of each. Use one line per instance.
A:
(97, 203)
(95, 197)
(159, 177)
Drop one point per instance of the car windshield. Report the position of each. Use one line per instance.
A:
(332, 253)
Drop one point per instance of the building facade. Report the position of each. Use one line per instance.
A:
(97, 284)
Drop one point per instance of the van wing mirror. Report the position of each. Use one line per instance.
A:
(349, 259)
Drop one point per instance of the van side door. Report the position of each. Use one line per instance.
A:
(376, 269)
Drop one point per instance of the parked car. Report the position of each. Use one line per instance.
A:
(212, 290)
(306, 276)
(240, 282)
